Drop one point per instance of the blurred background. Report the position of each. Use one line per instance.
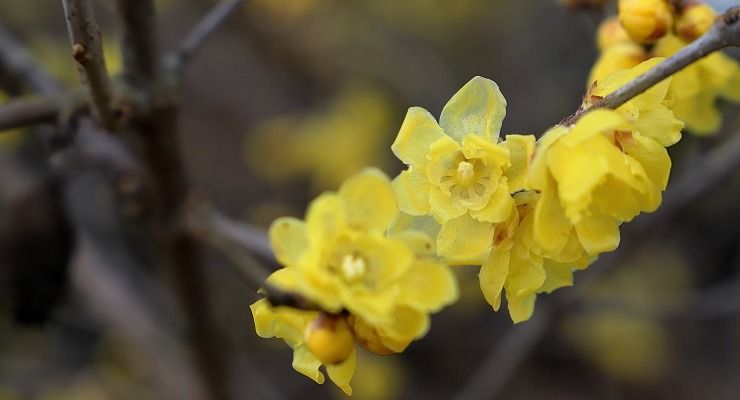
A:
(293, 96)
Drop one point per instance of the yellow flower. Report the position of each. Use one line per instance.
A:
(290, 325)
(696, 88)
(592, 177)
(344, 261)
(457, 169)
(617, 57)
(517, 265)
(611, 33)
(645, 20)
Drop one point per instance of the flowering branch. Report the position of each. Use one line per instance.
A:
(724, 33)
(87, 50)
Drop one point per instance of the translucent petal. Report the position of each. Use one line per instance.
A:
(659, 124)
(478, 108)
(289, 240)
(557, 275)
(478, 147)
(598, 233)
(412, 191)
(499, 207)
(418, 131)
(307, 364)
(422, 244)
(428, 286)
(423, 223)
(341, 374)
(521, 308)
(551, 227)
(465, 239)
(538, 171)
(699, 113)
(325, 218)
(443, 207)
(521, 150)
(652, 156)
(407, 324)
(369, 200)
(492, 276)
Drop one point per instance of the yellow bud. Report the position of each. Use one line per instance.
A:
(695, 20)
(610, 33)
(329, 339)
(645, 20)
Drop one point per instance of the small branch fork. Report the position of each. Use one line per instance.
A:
(724, 33)
(87, 51)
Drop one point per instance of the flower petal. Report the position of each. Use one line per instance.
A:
(598, 233)
(521, 150)
(492, 276)
(307, 364)
(412, 191)
(478, 108)
(551, 226)
(369, 200)
(341, 374)
(659, 124)
(652, 156)
(289, 240)
(521, 308)
(499, 207)
(326, 217)
(443, 207)
(418, 131)
(557, 275)
(463, 239)
(428, 286)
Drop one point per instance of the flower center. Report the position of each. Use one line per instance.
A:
(465, 172)
(353, 268)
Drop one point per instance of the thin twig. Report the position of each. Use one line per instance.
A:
(140, 64)
(724, 33)
(17, 65)
(194, 40)
(87, 50)
(25, 111)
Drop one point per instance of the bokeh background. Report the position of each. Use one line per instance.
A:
(291, 97)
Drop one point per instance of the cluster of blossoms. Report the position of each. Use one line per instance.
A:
(375, 257)
(659, 28)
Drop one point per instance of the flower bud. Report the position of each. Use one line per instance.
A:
(645, 20)
(328, 337)
(695, 20)
(611, 33)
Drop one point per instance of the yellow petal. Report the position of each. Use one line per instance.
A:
(557, 275)
(598, 233)
(289, 240)
(551, 226)
(369, 200)
(699, 113)
(593, 123)
(307, 364)
(407, 324)
(526, 274)
(412, 191)
(423, 223)
(538, 171)
(422, 244)
(443, 207)
(326, 217)
(478, 108)
(463, 239)
(341, 374)
(418, 131)
(428, 286)
(521, 308)
(499, 207)
(652, 156)
(660, 125)
(492, 276)
(521, 150)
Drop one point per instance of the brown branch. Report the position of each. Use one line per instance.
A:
(139, 42)
(194, 40)
(18, 66)
(724, 33)
(87, 51)
(32, 110)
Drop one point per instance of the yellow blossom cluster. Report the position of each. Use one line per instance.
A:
(666, 29)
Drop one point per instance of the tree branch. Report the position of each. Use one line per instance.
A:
(87, 50)
(724, 33)
(17, 65)
(194, 40)
(32, 110)
(139, 42)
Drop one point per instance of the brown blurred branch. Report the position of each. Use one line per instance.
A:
(724, 33)
(140, 62)
(32, 110)
(87, 51)
(194, 40)
(18, 66)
